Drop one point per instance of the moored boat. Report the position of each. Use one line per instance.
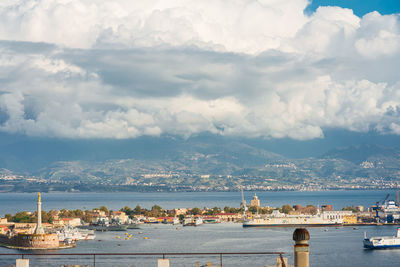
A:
(381, 242)
(278, 219)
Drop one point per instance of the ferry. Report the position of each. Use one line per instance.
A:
(382, 242)
(278, 219)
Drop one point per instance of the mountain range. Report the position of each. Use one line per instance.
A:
(204, 161)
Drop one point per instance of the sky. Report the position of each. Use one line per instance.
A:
(256, 69)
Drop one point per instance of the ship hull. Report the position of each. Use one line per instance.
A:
(382, 247)
(291, 225)
(382, 242)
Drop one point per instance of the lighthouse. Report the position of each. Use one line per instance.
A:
(39, 228)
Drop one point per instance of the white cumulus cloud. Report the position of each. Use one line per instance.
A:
(122, 69)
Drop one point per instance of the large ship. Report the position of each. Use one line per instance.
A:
(383, 241)
(104, 225)
(278, 219)
(74, 234)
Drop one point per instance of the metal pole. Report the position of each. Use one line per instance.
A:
(163, 256)
(94, 260)
(220, 259)
(283, 262)
(22, 256)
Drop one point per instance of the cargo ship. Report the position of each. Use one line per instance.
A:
(382, 242)
(278, 219)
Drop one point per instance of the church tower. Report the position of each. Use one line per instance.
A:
(255, 202)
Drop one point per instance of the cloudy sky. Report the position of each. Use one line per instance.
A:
(249, 68)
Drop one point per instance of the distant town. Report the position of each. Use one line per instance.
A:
(162, 182)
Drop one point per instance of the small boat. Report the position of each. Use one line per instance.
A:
(190, 221)
(175, 221)
(380, 242)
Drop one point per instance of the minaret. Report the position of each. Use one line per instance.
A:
(39, 228)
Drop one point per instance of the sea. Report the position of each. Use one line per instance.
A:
(329, 246)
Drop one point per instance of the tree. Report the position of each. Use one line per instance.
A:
(127, 210)
(156, 211)
(196, 211)
(253, 209)
(137, 210)
(213, 211)
(8, 217)
(287, 208)
(23, 217)
(104, 208)
(310, 209)
(350, 208)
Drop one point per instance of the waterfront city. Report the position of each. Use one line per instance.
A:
(158, 221)
(212, 133)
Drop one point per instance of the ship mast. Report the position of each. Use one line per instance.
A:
(39, 228)
(243, 204)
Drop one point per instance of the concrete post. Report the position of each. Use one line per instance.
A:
(279, 262)
(163, 263)
(301, 248)
(22, 263)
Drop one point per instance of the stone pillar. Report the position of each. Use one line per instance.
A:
(279, 262)
(301, 248)
(163, 263)
(39, 228)
(22, 263)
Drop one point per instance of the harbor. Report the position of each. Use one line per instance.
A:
(214, 230)
(325, 246)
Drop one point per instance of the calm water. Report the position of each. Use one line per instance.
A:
(13, 202)
(334, 247)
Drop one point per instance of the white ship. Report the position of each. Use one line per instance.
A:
(278, 219)
(73, 234)
(383, 241)
(191, 221)
(389, 212)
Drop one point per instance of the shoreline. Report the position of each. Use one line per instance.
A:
(26, 248)
(187, 191)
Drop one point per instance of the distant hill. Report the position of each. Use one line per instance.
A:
(359, 153)
(33, 154)
(205, 161)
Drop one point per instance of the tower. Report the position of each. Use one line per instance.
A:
(255, 202)
(39, 228)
